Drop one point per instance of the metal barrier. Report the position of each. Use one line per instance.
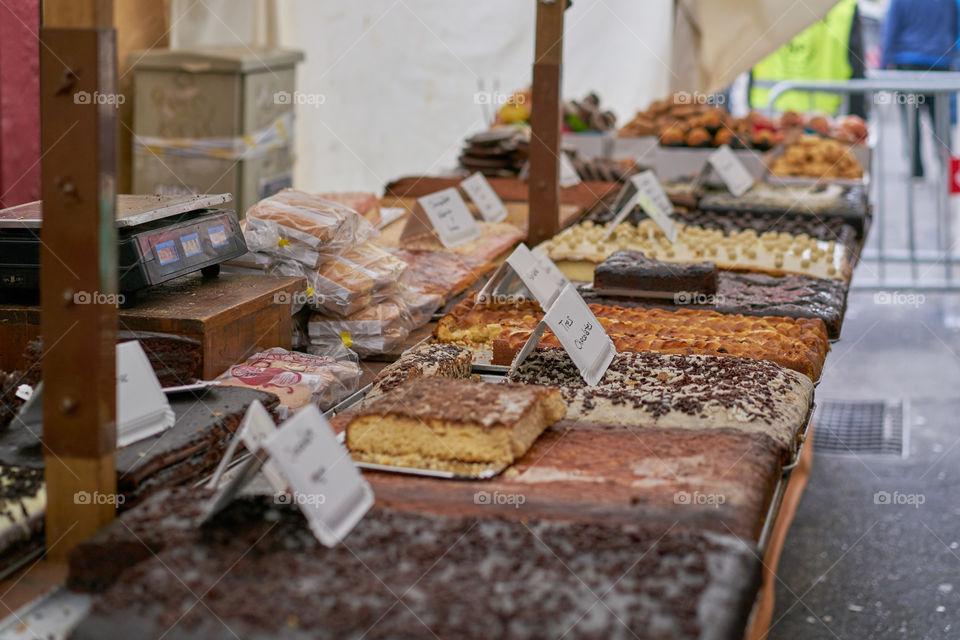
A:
(902, 83)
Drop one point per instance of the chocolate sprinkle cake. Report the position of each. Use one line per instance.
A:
(424, 360)
(261, 574)
(680, 392)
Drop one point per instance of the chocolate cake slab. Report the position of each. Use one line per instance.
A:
(696, 392)
(668, 479)
(261, 574)
(633, 271)
(754, 294)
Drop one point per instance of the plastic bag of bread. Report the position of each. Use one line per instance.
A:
(309, 227)
(420, 304)
(379, 328)
(298, 378)
(355, 279)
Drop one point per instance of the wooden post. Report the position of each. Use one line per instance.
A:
(78, 276)
(545, 122)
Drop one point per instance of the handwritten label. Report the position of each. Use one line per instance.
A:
(450, 217)
(488, 202)
(648, 184)
(326, 485)
(731, 170)
(663, 220)
(568, 173)
(538, 274)
(580, 334)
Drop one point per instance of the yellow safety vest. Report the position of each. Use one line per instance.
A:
(820, 52)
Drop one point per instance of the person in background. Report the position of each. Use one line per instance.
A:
(920, 35)
(830, 49)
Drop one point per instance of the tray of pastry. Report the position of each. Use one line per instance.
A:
(800, 197)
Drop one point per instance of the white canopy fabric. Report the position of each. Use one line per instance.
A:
(716, 40)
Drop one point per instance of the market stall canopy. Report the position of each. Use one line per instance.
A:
(716, 40)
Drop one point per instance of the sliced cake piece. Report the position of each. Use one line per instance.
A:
(631, 272)
(446, 420)
(423, 361)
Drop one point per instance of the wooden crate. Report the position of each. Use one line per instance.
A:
(232, 316)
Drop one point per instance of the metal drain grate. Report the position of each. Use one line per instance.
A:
(862, 427)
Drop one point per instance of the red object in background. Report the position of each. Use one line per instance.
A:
(19, 101)
(954, 175)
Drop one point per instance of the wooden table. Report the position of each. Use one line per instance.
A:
(232, 316)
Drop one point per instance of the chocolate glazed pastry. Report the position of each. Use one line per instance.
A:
(263, 575)
(755, 294)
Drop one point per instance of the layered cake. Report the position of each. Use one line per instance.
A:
(23, 499)
(754, 294)
(444, 273)
(800, 344)
(447, 421)
(680, 392)
(423, 361)
(631, 271)
(578, 249)
(406, 575)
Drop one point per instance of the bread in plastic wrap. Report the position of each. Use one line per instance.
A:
(379, 328)
(354, 279)
(309, 228)
(298, 378)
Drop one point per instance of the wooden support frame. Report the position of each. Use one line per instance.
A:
(545, 122)
(78, 274)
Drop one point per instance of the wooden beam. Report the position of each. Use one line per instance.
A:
(78, 271)
(545, 122)
(78, 13)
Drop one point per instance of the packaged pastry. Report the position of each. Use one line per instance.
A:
(366, 204)
(297, 378)
(355, 279)
(379, 328)
(308, 227)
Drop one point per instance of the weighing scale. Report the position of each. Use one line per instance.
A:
(159, 238)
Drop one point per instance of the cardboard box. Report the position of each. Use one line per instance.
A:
(214, 120)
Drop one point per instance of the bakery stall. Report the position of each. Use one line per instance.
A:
(548, 393)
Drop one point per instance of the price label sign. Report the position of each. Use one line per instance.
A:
(568, 173)
(325, 484)
(488, 202)
(450, 217)
(538, 273)
(731, 170)
(648, 194)
(581, 334)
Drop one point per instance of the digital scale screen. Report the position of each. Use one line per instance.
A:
(191, 245)
(218, 236)
(166, 252)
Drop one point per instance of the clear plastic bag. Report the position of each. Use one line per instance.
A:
(379, 328)
(322, 378)
(308, 228)
(355, 279)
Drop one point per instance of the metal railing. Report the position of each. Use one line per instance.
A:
(902, 83)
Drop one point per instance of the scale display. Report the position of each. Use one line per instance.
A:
(158, 238)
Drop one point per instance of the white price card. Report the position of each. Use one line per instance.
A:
(143, 410)
(731, 170)
(325, 483)
(658, 215)
(581, 334)
(648, 184)
(488, 202)
(568, 173)
(450, 217)
(538, 274)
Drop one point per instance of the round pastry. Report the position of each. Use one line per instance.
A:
(672, 136)
(820, 124)
(699, 137)
(762, 140)
(713, 120)
(790, 119)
